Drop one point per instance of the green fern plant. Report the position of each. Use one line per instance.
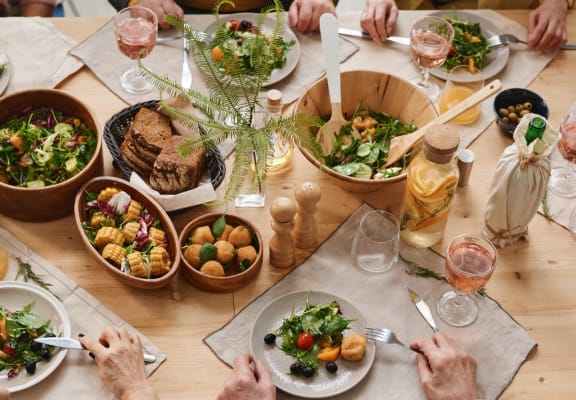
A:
(230, 106)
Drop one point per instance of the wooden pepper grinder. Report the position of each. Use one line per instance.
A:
(307, 196)
(282, 253)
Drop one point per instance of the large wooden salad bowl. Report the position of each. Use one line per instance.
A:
(375, 91)
(47, 203)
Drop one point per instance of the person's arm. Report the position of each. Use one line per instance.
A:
(547, 25)
(379, 18)
(161, 8)
(446, 371)
(4, 394)
(250, 380)
(121, 364)
(304, 15)
(37, 8)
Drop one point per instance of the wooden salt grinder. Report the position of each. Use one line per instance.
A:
(282, 253)
(307, 196)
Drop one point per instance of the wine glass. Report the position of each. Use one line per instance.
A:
(136, 29)
(430, 41)
(563, 179)
(470, 261)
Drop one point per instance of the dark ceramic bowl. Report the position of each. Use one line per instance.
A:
(512, 97)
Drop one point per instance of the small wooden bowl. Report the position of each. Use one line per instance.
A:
(375, 91)
(80, 214)
(54, 201)
(227, 283)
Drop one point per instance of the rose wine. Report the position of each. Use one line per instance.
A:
(567, 143)
(468, 267)
(429, 49)
(136, 37)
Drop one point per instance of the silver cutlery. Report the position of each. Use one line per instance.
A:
(162, 39)
(505, 39)
(385, 336)
(69, 343)
(186, 81)
(356, 33)
(422, 308)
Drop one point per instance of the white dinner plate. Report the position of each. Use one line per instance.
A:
(5, 77)
(16, 295)
(323, 384)
(497, 58)
(293, 54)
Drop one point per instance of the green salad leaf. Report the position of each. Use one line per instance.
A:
(469, 46)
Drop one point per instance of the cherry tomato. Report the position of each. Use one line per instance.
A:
(452, 51)
(305, 341)
(232, 25)
(10, 346)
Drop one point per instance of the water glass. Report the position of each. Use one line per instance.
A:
(572, 223)
(376, 244)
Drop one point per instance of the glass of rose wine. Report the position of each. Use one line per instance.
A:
(430, 41)
(136, 29)
(470, 261)
(563, 179)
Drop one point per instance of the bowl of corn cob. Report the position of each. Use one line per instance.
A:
(127, 232)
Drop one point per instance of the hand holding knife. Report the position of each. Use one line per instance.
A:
(422, 308)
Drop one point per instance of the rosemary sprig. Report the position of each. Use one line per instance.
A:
(416, 270)
(25, 271)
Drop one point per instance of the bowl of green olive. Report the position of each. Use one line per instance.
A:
(512, 104)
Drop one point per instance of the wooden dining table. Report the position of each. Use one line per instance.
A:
(534, 283)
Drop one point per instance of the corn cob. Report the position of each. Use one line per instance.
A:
(106, 194)
(114, 253)
(158, 236)
(133, 211)
(108, 234)
(130, 231)
(159, 261)
(137, 265)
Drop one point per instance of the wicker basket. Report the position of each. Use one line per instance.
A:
(117, 126)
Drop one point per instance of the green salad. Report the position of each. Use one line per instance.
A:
(2, 66)
(361, 147)
(42, 146)
(469, 46)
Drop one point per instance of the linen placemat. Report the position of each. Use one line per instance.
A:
(39, 54)
(77, 377)
(498, 343)
(100, 53)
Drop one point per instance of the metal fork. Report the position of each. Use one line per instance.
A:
(186, 73)
(503, 39)
(385, 336)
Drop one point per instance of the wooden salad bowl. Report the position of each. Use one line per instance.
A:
(375, 91)
(81, 214)
(54, 201)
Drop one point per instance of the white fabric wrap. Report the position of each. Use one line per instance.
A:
(518, 186)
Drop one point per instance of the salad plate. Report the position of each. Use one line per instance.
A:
(496, 59)
(292, 56)
(323, 384)
(5, 71)
(15, 296)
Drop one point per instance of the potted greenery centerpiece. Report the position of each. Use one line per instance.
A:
(229, 109)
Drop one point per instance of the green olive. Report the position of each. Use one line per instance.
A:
(503, 112)
(513, 117)
(528, 106)
(518, 108)
(511, 109)
(505, 119)
(524, 112)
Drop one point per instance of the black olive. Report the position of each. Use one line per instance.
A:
(331, 367)
(31, 367)
(245, 25)
(296, 368)
(308, 372)
(270, 338)
(49, 334)
(44, 353)
(35, 346)
(25, 335)
(239, 41)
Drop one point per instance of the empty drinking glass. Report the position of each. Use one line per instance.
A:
(376, 244)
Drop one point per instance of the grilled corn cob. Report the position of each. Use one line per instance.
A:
(130, 231)
(158, 236)
(138, 265)
(114, 253)
(106, 194)
(159, 261)
(133, 211)
(108, 234)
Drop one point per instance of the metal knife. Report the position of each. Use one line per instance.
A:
(352, 32)
(69, 343)
(422, 308)
(186, 81)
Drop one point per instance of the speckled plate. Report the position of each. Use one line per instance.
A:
(5, 76)
(323, 384)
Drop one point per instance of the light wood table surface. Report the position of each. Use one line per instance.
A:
(536, 284)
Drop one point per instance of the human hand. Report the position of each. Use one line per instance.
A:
(4, 394)
(162, 8)
(379, 18)
(248, 382)
(121, 363)
(547, 25)
(304, 15)
(446, 371)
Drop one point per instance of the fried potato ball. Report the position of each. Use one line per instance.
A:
(353, 347)
(224, 251)
(192, 255)
(201, 235)
(240, 236)
(213, 268)
(225, 233)
(245, 256)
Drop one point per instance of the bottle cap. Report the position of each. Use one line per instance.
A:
(440, 143)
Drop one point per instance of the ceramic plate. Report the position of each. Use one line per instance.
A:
(5, 77)
(323, 384)
(498, 58)
(293, 54)
(14, 296)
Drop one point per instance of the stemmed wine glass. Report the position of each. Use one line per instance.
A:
(563, 179)
(136, 29)
(470, 261)
(430, 41)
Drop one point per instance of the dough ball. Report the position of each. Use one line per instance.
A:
(353, 347)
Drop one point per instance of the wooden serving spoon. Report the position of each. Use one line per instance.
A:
(329, 33)
(400, 145)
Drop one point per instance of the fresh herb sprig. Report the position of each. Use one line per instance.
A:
(27, 273)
